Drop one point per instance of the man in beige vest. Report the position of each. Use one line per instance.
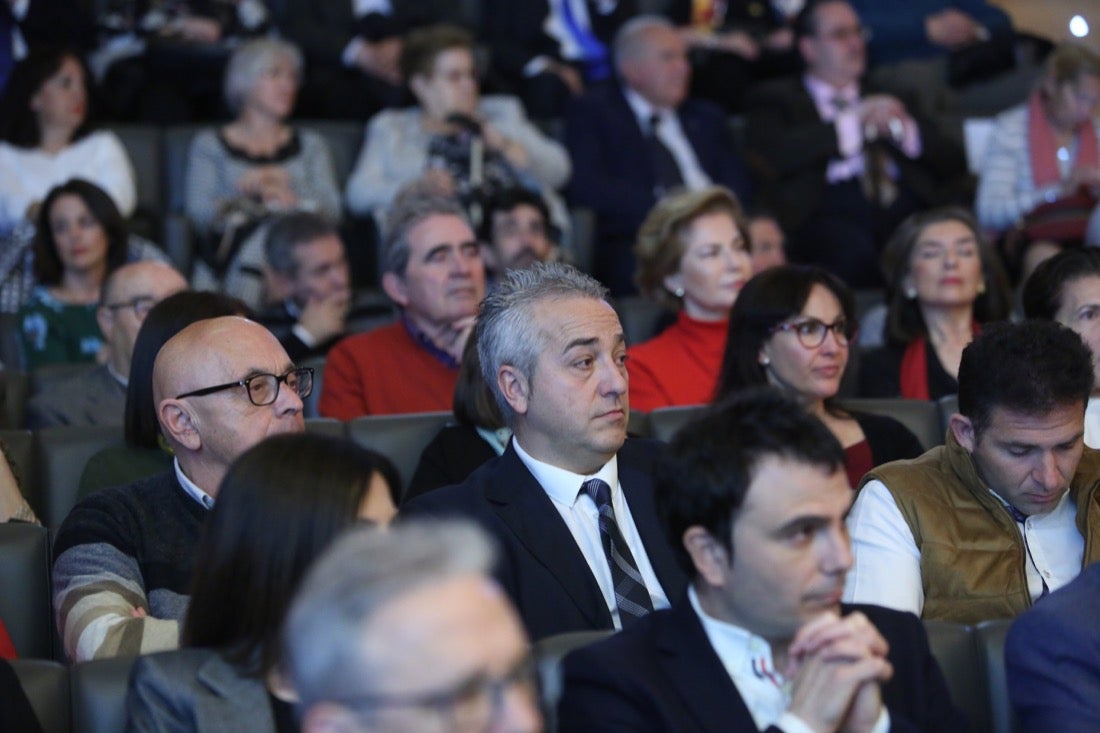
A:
(1004, 513)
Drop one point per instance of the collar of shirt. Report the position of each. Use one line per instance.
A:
(363, 7)
(192, 490)
(562, 486)
(1092, 423)
(117, 377)
(643, 110)
(426, 343)
(824, 95)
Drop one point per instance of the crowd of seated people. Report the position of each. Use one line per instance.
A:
(763, 237)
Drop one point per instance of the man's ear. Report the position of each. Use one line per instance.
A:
(394, 286)
(708, 555)
(105, 318)
(178, 423)
(515, 388)
(963, 430)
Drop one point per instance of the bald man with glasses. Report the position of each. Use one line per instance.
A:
(124, 554)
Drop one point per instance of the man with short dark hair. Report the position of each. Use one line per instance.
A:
(1009, 509)
(754, 495)
(516, 231)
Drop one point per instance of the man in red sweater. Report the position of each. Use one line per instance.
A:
(434, 273)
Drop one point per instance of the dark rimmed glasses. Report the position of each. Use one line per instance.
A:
(811, 332)
(263, 389)
(142, 304)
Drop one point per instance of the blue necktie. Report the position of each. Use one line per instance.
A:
(631, 597)
(593, 51)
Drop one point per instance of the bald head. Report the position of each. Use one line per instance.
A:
(127, 295)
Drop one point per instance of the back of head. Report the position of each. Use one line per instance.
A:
(474, 403)
(289, 231)
(704, 475)
(1029, 368)
(356, 578)
(507, 333)
(274, 515)
(410, 207)
(1043, 290)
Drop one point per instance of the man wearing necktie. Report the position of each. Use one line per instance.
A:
(1008, 510)
(570, 502)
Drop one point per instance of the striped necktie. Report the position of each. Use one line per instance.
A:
(631, 597)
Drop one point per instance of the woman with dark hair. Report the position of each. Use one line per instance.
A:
(145, 452)
(943, 282)
(275, 513)
(479, 435)
(791, 328)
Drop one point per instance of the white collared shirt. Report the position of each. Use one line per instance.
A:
(581, 517)
(1092, 414)
(671, 133)
(203, 498)
(748, 661)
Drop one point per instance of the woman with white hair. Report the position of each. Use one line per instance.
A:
(258, 163)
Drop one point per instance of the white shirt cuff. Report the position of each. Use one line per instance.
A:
(536, 66)
(849, 136)
(303, 335)
(351, 51)
(791, 723)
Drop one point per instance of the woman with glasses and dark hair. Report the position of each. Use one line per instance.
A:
(943, 282)
(275, 514)
(791, 327)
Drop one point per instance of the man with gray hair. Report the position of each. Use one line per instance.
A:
(434, 274)
(419, 638)
(571, 500)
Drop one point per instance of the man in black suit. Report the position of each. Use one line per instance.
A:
(841, 165)
(755, 491)
(633, 141)
(570, 501)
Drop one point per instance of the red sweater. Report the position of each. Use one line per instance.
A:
(383, 372)
(678, 367)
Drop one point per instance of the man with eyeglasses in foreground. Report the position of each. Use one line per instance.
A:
(405, 630)
(1008, 510)
(97, 395)
(124, 554)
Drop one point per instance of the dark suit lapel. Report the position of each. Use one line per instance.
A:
(522, 504)
(696, 674)
(637, 488)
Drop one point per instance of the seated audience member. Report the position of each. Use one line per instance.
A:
(145, 451)
(944, 282)
(81, 239)
(516, 231)
(124, 554)
(570, 500)
(1007, 510)
(258, 165)
(435, 276)
(692, 253)
(767, 242)
(309, 282)
(1066, 289)
(1051, 660)
(470, 144)
(415, 606)
(1043, 151)
(16, 713)
(754, 494)
(30, 26)
(634, 141)
(842, 165)
(792, 328)
(97, 396)
(13, 505)
(274, 516)
(478, 435)
(551, 52)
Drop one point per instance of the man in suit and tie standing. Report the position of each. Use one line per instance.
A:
(570, 501)
(755, 493)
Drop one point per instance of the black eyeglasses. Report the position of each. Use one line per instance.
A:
(263, 389)
(142, 304)
(811, 332)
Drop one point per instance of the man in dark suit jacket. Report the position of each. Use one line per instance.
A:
(840, 165)
(756, 492)
(612, 135)
(1053, 659)
(571, 498)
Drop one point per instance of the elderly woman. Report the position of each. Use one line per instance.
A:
(693, 256)
(437, 136)
(1066, 288)
(255, 165)
(944, 281)
(1046, 149)
(791, 327)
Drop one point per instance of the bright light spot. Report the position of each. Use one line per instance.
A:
(1078, 26)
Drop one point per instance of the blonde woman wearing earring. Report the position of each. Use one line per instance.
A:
(944, 281)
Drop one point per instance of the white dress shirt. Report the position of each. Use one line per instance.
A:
(748, 661)
(1092, 411)
(671, 133)
(886, 571)
(191, 487)
(581, 517)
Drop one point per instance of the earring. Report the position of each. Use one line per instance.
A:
(678, 292)
(981, 288)
(765, 361)
(911, 292)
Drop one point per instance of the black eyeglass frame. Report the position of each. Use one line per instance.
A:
(301, 372)
(842, 329)
(141, 304)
